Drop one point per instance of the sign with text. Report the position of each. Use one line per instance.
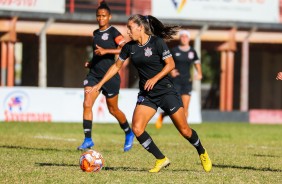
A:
(266, 11)
(42, 6)
(31, 104)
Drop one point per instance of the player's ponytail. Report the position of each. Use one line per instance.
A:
(104, 5)
(153, 26)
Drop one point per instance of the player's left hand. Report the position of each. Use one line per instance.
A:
(198, 77)
(100, 51)
(150, 84)
(95, 88)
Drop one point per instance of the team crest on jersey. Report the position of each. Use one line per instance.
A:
(148, 51)
(105, 36)
(190, 55)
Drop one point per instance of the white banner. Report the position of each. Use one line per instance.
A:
(46, 6)
(30, 104)
(218, 10)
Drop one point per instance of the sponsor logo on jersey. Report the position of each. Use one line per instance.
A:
(148, 51)
(191, 55)
(105, 36)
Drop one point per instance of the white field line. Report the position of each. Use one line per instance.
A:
(53, 138)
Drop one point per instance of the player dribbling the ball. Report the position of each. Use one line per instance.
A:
(150, 55)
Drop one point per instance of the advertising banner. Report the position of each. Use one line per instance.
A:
(266, 11)
(42, 6)
(264, 116)
(30, 104)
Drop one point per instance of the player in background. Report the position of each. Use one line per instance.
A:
(107, 41)
(279, 76)
(150, 55)
(184, 56)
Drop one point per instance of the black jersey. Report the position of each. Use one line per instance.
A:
(149, 61)
(107, 39)
(183, 61)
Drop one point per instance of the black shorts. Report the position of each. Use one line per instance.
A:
(169, 102)
(109, 89)
(183, 88)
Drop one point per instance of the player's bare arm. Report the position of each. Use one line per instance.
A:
(101, 51)
(199, 75)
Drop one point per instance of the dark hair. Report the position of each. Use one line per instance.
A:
(153, 26)
(103, 5)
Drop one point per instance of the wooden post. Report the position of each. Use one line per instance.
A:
(229, 81)
(244, 97)
(42, 67)
(227, 72)
(222, 99)
(3, 63)
(7, 59)
(11, 64)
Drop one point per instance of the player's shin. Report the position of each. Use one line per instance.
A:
(87, 127)
(147, 142)
(195, 141)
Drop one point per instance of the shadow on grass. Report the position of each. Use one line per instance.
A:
(55, 164)
(104, 168)
(261, 155)
(124, 169)
(246, 168)
(37, 149)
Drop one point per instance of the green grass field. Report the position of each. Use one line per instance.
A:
(46, 153)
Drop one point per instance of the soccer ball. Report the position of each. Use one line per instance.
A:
(91, 161)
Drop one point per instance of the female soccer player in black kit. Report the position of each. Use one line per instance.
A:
(184, 56)
(151, 56)
(106, 41)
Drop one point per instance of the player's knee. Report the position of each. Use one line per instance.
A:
(87, 104)
(186, 132)
(113, 111)
(137, 130)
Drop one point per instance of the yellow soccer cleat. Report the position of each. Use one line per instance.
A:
(206, 161)
(159, 122)
(160, 163)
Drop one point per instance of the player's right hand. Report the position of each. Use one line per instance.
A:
(279, 76)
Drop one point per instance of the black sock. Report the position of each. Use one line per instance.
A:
(195, 141)
(87, 127)
(125, 126)
(146, 141)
